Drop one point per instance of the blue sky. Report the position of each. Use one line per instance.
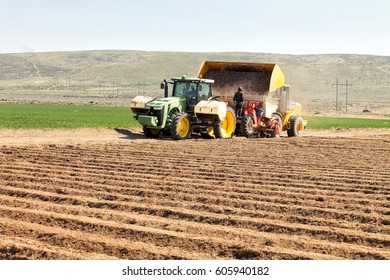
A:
(289, 27)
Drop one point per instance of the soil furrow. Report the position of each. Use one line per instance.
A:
(286, 198)
(202, 202)
(318, 232)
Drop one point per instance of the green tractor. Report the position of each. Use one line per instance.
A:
(190, 109)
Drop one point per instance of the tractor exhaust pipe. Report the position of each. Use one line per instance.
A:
(164, 86)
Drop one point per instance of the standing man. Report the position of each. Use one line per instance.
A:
(238, 100)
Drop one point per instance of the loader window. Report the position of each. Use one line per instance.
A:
(284, 99)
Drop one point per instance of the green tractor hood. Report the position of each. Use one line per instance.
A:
(159, 111)
(163, 102)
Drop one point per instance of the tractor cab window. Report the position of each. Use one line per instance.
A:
(204, 92)
(185, 89)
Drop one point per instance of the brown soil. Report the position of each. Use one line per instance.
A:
(104, 194)
(227, 82)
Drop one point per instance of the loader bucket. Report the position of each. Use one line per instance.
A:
(254, 78)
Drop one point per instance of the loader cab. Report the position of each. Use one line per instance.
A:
(283, 94)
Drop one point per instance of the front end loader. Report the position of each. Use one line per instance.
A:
(268, 110)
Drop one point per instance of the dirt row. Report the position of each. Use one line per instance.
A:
(287, 198)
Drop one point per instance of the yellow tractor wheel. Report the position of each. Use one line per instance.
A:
(226, 128)
(181, 127)
(208, 133)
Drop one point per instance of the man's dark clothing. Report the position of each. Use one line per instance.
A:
(238, 99)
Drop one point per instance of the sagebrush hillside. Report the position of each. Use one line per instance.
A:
(118, 75)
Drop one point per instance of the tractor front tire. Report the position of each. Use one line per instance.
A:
(296, 127)
(226, 127)
(181, 126)
(150, 132)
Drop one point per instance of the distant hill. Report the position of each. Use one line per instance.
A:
(117, 75)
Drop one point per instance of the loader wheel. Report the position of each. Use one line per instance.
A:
(247, 126)
(226, 128)
(151, 133)
(180, 127)
(296, 127)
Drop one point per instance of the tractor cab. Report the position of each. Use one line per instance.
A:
(192, 90)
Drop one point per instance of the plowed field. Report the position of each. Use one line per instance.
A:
(306, 198)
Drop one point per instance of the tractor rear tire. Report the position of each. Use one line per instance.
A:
(181, 126)
(226, 127)
(296, 127)
(150, 132)
(247, 126)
